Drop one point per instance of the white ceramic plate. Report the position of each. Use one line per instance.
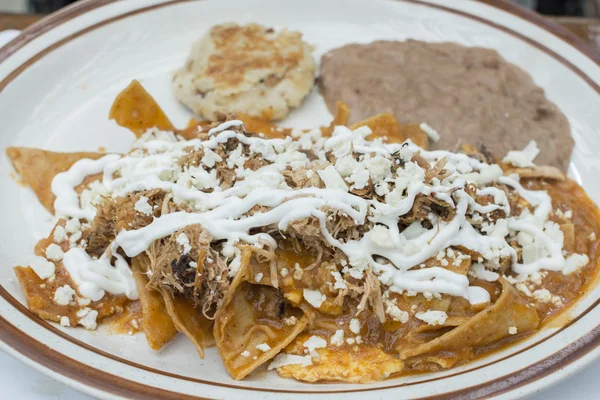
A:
(58, 79)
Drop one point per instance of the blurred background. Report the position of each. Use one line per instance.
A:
(581, 17)
(573, 8)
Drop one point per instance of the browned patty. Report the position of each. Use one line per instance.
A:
(468, 94)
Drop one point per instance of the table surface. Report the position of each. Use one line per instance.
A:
(13, 374)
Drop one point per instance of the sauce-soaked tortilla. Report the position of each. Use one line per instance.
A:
(255, 320)
(488, 326)
(158, 327)
(39, 167)
(250, 326)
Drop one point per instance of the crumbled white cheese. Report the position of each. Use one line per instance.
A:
(542, 295)
(184, 242)
(290, 321)
(569, 214)
(530, 253)
(73, 225)
(340, 283)
(432, 317)
(574, 262)
(521, 287)
(283, 272)
(557, 301)
(592, 236)
(263, 347)
(283, 359)
(64, 321)
(332, 179)
(298, 272)
(245, 353)
(512, 330)
(380, 235)
(63, 295)
(314, 297)
(59, 235)
(314, 342)
(355, 326)
(83, 301)
(258, 277)
(523, 158)
(360, 177)
(500, 228)
(395, 312)
(379, 168)
(42, 267)
(430, 132)
(54, 252)
(74, 238)
(345, 165)
(478, 271)
(87, 318)
(142, 206)
(210, 158)
(337, 339)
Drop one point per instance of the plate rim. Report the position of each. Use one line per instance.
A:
(105, 383)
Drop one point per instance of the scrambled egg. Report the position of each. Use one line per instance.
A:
(352, 364)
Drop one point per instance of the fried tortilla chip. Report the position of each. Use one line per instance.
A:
(189, 320)
(384, 126)
(39, 167)
(539, 171)
(341, 118)
(257, 125)
(39, 295)
(488, 326)
(416, 135)
(157, 324)
(135, 109)
(254, 324)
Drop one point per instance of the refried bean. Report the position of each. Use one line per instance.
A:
(468, 94)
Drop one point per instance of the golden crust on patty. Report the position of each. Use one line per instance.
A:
(247, 69)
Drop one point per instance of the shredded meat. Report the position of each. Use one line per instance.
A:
(424, 205)
(225, 175)
(204, 283)
(192, 158)
(299, 178)
(102, 232)
(436, 171)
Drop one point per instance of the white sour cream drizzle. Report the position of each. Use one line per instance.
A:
(64, 184)
(95, 277)
(221, 212)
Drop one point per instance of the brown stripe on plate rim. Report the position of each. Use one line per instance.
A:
(561, 33)
(557, 360)
(77, 371)
(49, 22)
(19, 70)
